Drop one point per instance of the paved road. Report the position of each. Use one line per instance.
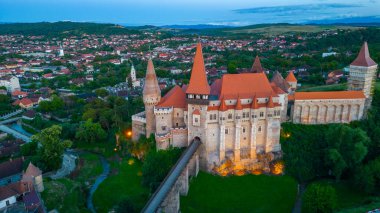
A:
(298, 205)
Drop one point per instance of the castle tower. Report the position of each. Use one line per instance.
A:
(197, 97)
(363, 75)
(292, 80)
(256, 67)
(61, 53)
(33, 177)
(151, 97)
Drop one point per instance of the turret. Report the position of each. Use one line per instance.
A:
(256, 67)
(151, 97)
(292, 80)
(363, 74)
(198, 89)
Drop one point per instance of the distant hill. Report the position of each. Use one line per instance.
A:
(63, 27)
(197, 26)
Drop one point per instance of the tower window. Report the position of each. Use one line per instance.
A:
(229, 116)
(261, 114)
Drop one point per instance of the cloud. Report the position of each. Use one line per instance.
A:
(290, 9)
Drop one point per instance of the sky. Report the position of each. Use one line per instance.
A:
(185, 12)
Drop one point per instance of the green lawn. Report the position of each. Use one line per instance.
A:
(64, 195)
(123, 182)
(69, 195)
(333, 87)
(248, 193)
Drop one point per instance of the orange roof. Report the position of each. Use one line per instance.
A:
(246, 85)
(291, 77)
(196, 112)
(256, 67)
(270, 103)
(363, 59)
(151, 83)
(198, 81)
(176, 98)
(223, 107)
(255, 105)
(329, 95)
(238, 105)
(18, 92)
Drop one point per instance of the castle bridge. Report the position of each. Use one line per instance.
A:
(176, 183)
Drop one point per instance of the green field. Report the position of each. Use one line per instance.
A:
(248, 193)
(123, 182)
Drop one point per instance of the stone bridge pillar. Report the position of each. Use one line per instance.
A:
(183, 182)
(171, 202)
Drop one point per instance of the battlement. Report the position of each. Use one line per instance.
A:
(163, 110)
(139, 117)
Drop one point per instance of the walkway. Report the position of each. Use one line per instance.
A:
(15, 133)
(11, 120)
(166, 185)
(68, 165)
(98, 181)
(11, 114)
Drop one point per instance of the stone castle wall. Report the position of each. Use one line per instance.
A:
(327, 111)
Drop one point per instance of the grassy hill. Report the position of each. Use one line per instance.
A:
(271, 29)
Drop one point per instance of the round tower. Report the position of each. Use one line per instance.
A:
(151, 97)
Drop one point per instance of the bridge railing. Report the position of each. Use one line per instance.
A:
(160, 194)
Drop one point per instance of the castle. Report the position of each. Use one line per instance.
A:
(238, 117)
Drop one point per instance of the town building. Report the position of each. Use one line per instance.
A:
(10, 82)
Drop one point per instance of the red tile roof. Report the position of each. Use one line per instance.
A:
(176, 98)
(223, 107)
(198, 81)
(196, 112)
(291, 77)
(270, 103)
(245, 85)
(329, 95)
(363, 59)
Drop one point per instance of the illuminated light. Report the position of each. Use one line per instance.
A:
(239, 172)
(257, 172)
(115, 149)
(129, 133)
(131, 161)
(278, 168)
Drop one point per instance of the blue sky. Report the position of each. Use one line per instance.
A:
(167, 12)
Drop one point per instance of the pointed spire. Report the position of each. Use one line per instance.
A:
(291, 77)
(198, 81)
(238, 104)
(254, 105)
(256, 67)
(270, 102)
(151, 83)
(223, 107)
(363, 59)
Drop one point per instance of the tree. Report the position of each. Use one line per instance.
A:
(52, 147)
(319, 198)
(157, 165)
(346, 148)
(126, 206)
(101, 92)
(90, 132)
